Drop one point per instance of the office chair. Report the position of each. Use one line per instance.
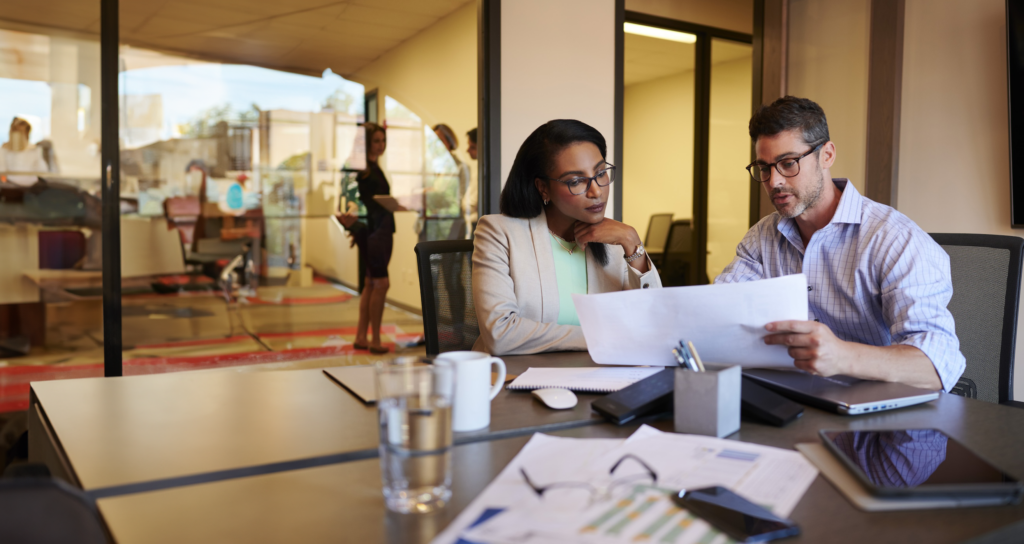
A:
(657, 235)
(677, 258)
(986, 272)
(47, 511)
(446, 293)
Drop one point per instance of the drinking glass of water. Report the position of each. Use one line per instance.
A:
(414, 402)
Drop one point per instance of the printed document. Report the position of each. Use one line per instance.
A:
(725, 322)
(585, 504)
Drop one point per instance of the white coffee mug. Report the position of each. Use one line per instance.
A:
(473, 388)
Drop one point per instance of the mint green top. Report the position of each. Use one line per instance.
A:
(571, 272)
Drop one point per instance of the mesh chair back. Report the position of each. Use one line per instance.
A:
(446, 293)
(986, 272)
(657, 231)
(47, 511)
(678, 255)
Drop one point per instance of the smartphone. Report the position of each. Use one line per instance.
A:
(735, 516)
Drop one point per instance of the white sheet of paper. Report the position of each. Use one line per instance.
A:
(725, 322)
(772, 477)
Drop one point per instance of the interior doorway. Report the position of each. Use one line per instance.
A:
(687, 96)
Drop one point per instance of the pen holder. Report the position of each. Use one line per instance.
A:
(708, 403)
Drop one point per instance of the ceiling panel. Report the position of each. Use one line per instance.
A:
(302, 35)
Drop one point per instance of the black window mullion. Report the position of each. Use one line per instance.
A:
(110, 187)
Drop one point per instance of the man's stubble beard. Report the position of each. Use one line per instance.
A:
(803, 202)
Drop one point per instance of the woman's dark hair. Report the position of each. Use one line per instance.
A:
(788, 113)
(535, 159)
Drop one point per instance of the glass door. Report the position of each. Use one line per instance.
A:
(728, 151)
(659, 82)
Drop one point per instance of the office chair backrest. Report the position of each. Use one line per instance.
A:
(677, 258)
(47, 511)
(680, 237)
(446, 293)
(657, 231)
(986, 272)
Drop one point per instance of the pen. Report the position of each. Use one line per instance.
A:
(696, 357)
(687, 359)
(679, 358)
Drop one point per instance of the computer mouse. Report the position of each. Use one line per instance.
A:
(556, 397)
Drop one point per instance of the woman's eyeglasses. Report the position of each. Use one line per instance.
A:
(579, 185)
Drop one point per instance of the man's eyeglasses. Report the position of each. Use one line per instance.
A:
(581, 184)
(787, 167)
(591, 491)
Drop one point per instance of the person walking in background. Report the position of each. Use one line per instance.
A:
(18, 154)
(451, 143)
(375, 241)
(471, 198)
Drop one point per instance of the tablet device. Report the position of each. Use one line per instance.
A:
(921, 463)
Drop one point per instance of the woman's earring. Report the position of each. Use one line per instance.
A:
(546, 201)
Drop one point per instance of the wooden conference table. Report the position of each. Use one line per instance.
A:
(277, 457)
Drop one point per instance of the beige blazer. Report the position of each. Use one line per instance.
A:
(515, 288)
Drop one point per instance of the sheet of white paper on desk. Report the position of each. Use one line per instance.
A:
(724, 321)
(773, 477)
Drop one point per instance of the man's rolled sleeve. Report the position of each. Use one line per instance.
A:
(915, 295)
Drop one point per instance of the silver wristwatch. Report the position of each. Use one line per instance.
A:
(636, 255)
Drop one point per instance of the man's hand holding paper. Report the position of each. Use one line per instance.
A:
(726, 322)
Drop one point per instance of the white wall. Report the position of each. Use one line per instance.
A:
(828, 63)
(954, 173)
(557, 62)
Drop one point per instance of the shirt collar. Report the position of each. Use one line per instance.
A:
(849, 210)
(850, 207)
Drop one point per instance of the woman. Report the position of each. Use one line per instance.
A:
(550, 241)
(375, 241)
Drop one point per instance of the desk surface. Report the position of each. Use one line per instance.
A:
(138, 429)
(343, 502)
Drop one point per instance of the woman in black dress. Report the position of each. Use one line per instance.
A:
(375, 243)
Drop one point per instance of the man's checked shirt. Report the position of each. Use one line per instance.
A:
(873, 276)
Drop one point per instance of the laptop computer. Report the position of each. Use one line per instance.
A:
(840, 394)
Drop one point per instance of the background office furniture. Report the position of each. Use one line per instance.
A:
(47, 511)
(446, 295)
(986, 273)
(677, 258)
(657, 235)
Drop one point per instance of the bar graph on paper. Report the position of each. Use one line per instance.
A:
(647, 514)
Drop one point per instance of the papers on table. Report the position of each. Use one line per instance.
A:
(724, 321)
(508, 511)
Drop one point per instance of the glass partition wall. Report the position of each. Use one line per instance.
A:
(239, 144)
(687, 98)
(50, 201)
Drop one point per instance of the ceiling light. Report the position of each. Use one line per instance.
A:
(660, 33)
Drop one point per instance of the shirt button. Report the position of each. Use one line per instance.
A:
(645, 286)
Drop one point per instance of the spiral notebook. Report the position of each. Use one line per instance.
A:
(588, 380)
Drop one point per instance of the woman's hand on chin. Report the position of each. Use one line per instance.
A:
(607, 231)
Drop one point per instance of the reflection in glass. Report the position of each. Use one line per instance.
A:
(895, 458)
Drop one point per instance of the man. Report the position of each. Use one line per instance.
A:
(470, 202)
(878, 285)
